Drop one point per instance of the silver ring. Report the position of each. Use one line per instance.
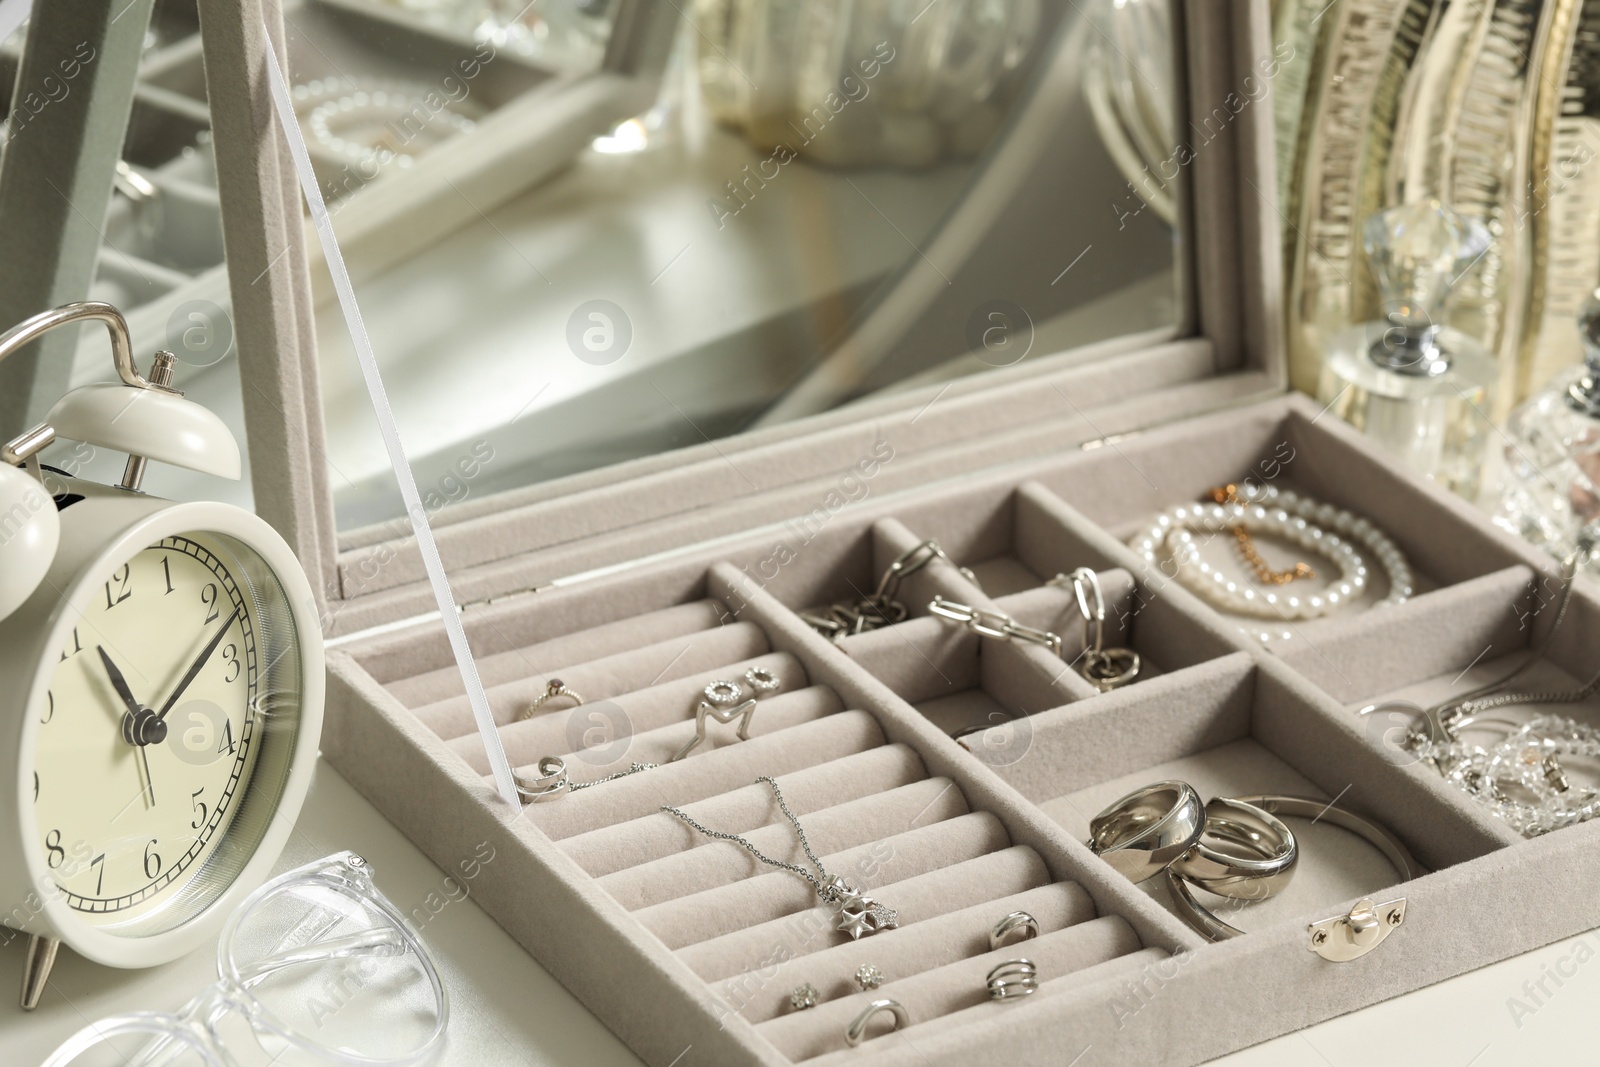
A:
(1013, 978)
(1017, 921)
(856, 1032)
(725, 714)
(553, 689)
(1229, 874)
(762, 680)
(1203, 921)
(724, 693)
(1142, 833)
(551, 781)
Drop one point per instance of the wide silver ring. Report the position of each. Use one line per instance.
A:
(552, 779)
(1006, 930)
(1265, 873)
(1013, 978)
(856, 1032)
(1205, 922)
(1142, 833)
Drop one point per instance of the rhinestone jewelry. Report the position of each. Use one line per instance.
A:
(1326, 531)
(856, 913)
(1520, 779)
(724, 702)
(868, 977)
(805, 996)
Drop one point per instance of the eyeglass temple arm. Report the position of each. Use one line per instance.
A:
(383, 941)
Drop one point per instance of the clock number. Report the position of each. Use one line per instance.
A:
(120, 579)
(54, 854)
(151, 860)
(166, 570)
(230, 653)
(208, 597)
(77, 646)
(99, 861)
(199, 806)
(226, 744)
(35, 787)
(49, 708)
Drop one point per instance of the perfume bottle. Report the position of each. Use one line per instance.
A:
(1417, 387)
(1552, 482)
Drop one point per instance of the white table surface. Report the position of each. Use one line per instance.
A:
(507, 1010)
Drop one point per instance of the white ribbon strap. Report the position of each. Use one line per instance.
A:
(386, 425)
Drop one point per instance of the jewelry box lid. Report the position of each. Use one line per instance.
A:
(1226, 347)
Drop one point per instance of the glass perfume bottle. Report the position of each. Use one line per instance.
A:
(1552, 481)
(1417, 387)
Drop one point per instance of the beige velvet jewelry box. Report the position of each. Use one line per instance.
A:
(638, 585)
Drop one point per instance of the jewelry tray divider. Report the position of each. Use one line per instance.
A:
(678, 943)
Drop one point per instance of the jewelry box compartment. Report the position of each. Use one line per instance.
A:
(1453, 554)
(1236, 728)
(886, 800)
(1011, 564)
(634, 915)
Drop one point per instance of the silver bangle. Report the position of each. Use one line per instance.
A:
(1016, 922)
(551, 781)
(1228, 874)
(1144, 832)
(1203, 921)
(856, 1032)
(1013, 978)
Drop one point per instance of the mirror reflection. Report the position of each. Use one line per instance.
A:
(108, 191)
(584, 232)
(821, 202)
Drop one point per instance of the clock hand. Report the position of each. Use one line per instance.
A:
(118, 682)
(200, 662)
(150, 792)
(135, 713)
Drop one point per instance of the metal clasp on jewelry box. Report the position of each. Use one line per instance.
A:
(1349, 937)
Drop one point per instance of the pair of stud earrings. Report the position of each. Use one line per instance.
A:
(867, 977)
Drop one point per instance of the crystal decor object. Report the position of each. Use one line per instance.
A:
(1552, 482)
(1418, 388)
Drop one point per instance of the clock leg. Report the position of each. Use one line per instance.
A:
(36, 969)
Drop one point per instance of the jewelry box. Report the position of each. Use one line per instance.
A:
(639, 585)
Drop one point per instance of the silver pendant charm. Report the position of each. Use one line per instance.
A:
(859, 914)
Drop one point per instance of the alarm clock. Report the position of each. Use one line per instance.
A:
(163, 679)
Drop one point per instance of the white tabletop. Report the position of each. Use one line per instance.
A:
(506, 1009)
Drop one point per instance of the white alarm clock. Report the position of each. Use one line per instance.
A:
(161, 680)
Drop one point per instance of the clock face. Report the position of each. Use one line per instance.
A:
(162, 741)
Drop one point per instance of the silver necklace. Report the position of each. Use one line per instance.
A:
(857, 913)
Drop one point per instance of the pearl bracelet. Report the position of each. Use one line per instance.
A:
(1290, 517)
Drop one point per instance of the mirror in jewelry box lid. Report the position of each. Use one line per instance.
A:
(713, 314)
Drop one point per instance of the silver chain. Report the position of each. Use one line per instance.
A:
(1480, 699)
(783, 805)
(633, 768)
(990, 623)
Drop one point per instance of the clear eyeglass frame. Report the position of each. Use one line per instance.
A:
(192, 1035)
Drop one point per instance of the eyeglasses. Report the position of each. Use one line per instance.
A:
(321, 966)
